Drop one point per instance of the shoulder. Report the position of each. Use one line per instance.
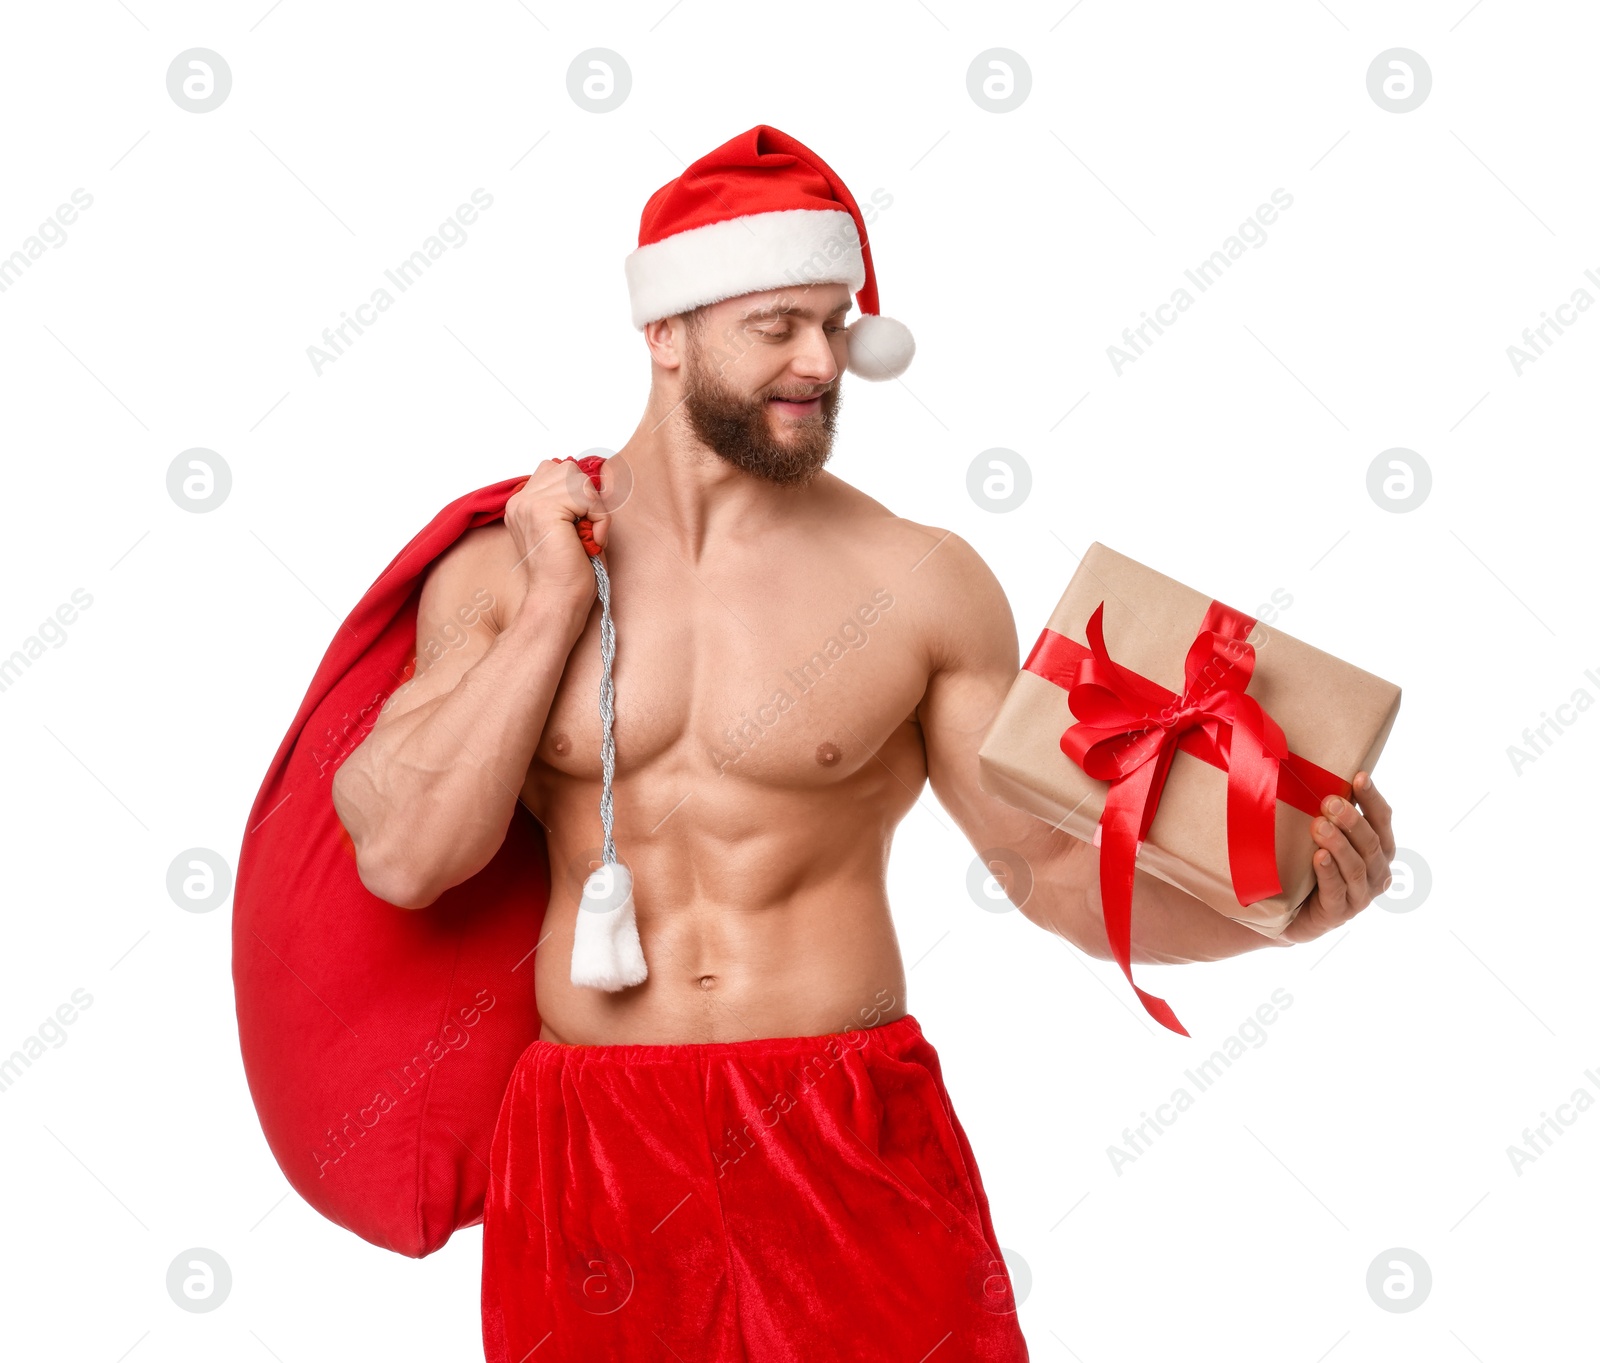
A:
(864, 522)
(479, 567)
(953, 594)
(967, 618)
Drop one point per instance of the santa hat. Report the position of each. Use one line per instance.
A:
(761, 212)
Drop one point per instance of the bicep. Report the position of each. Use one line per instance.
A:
(457, 618)
(972, 661)
(973, 666)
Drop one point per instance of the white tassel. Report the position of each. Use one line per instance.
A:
(606, 952)
(605, 944)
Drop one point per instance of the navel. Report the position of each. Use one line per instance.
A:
(827, 755)
(708, 981)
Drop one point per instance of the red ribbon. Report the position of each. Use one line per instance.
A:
(1130, 728)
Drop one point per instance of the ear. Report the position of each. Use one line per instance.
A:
(666, 339)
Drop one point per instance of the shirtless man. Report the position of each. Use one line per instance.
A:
(759, 858)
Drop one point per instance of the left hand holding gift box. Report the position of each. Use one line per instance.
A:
(1220, 755)
(1354, 849)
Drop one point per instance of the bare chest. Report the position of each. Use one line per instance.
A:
(794, 681)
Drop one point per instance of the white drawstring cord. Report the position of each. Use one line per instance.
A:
(608, 747)
(606, 953)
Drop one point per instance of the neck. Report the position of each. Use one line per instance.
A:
(685, 492)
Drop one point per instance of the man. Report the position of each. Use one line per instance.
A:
(750, 1153)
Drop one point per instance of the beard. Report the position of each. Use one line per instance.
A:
(738, 428)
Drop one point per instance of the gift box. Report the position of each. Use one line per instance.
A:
(1185, 736)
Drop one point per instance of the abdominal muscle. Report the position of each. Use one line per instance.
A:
(761, 912)
(721, 972)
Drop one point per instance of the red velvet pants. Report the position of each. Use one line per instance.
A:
(805, 1198)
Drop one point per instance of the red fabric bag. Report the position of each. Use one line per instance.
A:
(379, 1041)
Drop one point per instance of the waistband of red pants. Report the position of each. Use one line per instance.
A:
(890, 1036)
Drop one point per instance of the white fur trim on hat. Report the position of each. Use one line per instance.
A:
(880, 347)
(750, 254)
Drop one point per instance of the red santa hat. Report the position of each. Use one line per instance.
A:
(761, 212)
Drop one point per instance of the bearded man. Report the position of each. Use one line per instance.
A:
(746, 1151)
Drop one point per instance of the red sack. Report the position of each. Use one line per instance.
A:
(378, 1041)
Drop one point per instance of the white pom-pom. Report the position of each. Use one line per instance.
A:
(606, 953)
(880, 347)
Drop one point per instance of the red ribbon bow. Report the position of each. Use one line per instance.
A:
(1130, 728)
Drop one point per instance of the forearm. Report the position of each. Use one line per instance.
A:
(427, 799)
(1169, 926)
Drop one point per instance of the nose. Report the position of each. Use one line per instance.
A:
(813, 359)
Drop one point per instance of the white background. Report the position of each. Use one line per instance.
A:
(1233, 454)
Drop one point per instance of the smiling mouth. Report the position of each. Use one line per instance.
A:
(800, 406)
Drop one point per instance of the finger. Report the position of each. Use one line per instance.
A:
(599, 526)
(1345, 857)
(581, 496)
(1377, 810)
(581, 512)
(1364, 838)
(1361, 833)
(1331, 892)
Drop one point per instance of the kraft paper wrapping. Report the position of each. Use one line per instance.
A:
(1331, 712)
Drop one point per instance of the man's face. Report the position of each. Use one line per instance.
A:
(761, 379)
